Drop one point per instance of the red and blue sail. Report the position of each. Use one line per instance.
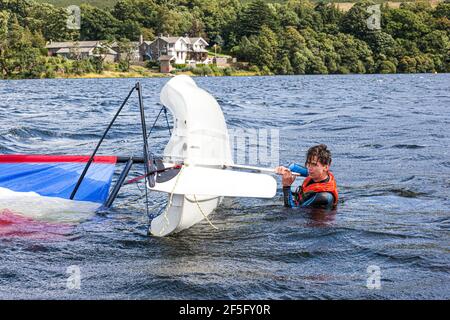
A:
(57, 175)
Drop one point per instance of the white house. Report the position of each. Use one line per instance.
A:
(183, 49)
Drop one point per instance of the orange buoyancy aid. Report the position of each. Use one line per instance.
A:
(329, 186)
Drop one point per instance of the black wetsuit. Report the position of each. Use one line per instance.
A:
(312, 199)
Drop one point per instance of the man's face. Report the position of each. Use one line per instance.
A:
(316, 170)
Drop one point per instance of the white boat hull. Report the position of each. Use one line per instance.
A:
(201, 142)
(184, 212)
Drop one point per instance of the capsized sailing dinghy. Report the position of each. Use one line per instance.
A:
(195, 170)
(201, 142)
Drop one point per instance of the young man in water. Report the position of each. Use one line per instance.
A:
(319, 188)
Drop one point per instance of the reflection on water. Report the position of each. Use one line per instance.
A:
(320, 217)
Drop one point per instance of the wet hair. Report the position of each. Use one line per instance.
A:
(321, 152)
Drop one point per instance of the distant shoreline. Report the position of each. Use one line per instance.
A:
(121, 75)
(115, 75)
(132, 74)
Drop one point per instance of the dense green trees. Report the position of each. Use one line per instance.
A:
(290, 37)
(19, 48)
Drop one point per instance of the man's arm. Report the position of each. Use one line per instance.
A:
(287, 180)
(288, 198)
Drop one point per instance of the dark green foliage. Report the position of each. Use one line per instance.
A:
(96, 24)
(271, 37)
(254, 16)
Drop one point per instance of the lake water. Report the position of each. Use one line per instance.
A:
(390, 139)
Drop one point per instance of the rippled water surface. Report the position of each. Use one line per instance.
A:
(390, 138)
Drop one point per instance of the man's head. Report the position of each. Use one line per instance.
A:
(318, 161)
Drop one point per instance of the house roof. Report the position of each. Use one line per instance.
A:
(70, 44)
(194, 40)
(166, 58)
(171, 39)
(134, 44)
(111, 51)
(82, 50)
(67, 50)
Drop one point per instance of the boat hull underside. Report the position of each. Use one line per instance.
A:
(184, 212)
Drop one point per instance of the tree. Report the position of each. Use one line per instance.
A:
(197, 29)
(405, 24)
(382, 43)
(143, 12)
(284, 66)
(425, 63)
(407, 47)
(355, 55)
(256, 15)
(246, 49)
(316, 66)
(354, 21)
(126, 51)
(330, 16)
(287, 16)
(292, 41)
(436, 42)
(307, 17)
(407, 65)
(300, 61)
(386, 66)
(442, 10)
(172, 22)
(266, 49)
(97, 24)
(17, 55)
(219, 41)
(217, 16)
(129, 29)
(50, 21)
(4, 19)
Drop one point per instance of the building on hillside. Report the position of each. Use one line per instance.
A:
(81, 50)
(182, 49)
(135, 54)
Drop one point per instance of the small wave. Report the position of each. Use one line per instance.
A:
(446, 164)
(406, 193)
(306, 113)
(408, 178)
(343, 128)
(4, 149)
(26, 132)
(374, 145)
(408, 146)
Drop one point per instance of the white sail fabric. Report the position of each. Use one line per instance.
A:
(200, 140)
(219, 182)
(200, 134)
